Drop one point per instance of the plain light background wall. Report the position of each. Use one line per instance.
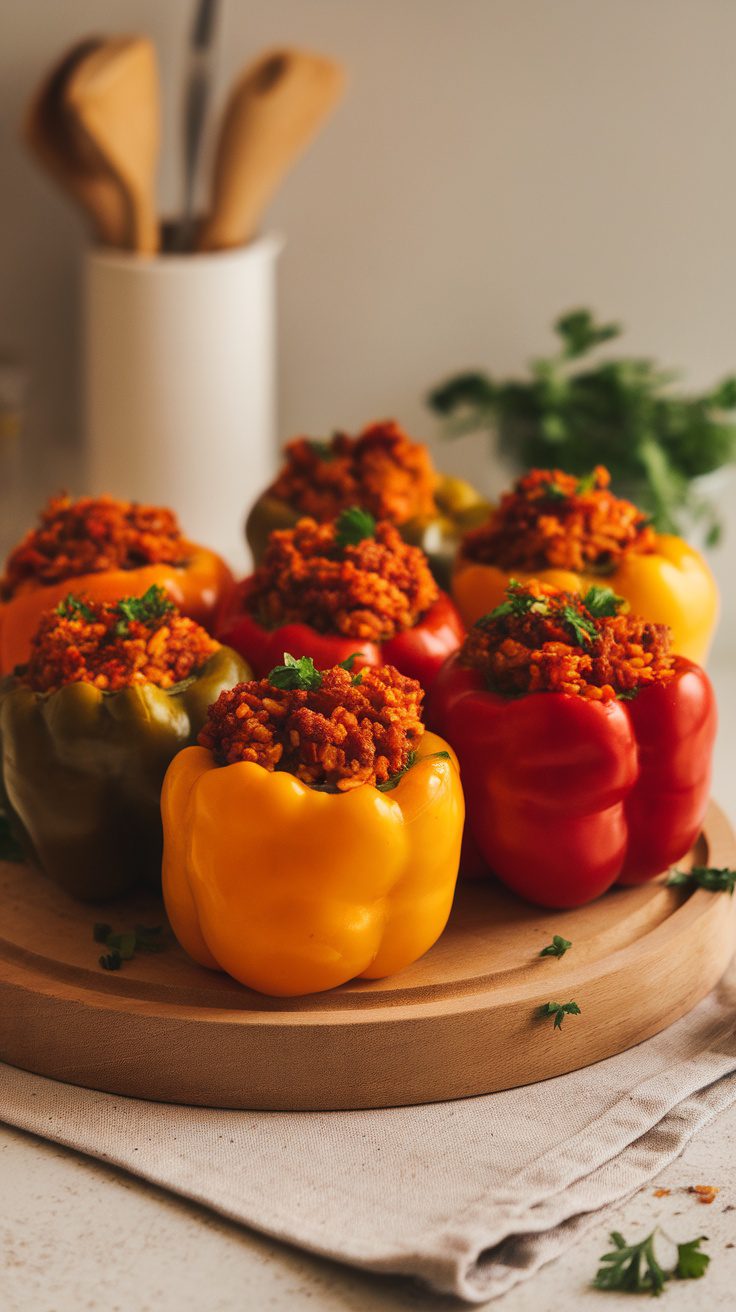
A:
(495, 162)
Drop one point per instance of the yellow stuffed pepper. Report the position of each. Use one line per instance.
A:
(574, 533)
(314, 835)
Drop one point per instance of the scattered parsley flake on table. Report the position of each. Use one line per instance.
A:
(712, 878)
(557, 948)
(559, 1010)
(634, 1269)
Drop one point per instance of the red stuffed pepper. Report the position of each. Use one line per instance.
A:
(585, 745)
(330, 591)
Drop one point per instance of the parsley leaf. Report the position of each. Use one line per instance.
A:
(296, 672)
(586, 483)
(627, 694)
(348, 664)
(583, 629)
(73, 608)
(352, 526)
(554, 492)
(124, 946)
(600, 601)
(691, 1263)
(714, 879)
(518, 602)
(634, 1269)
(557, 948)
(321, 447)
(559, 1010)
(148, 609)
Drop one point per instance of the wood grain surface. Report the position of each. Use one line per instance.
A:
(464, 1020)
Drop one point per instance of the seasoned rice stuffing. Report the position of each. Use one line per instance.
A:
(543, 640)
(90, 536)
(115, 645)
(350, 730)
(382, 470)
(553, 520)
(370, 589)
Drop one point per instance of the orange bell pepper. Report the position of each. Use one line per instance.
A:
(672, 585)
(196, 588)
(293, 890)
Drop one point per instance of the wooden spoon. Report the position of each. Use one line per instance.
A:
(274, 111)
(112, 98)
(55, 145)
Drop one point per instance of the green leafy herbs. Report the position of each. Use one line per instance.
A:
(300, 672)
(557, 948)
(353, 526)
(153, 606)
(601, 602)
(581, 626)
(123, 947)
(412, 759)
(296, 672)
(714, 879)
(519, 602)
(621, 413)
(322, 447)
(634, 1268)
(559, 1010)
(627, 694)
(73, 608)
(10, 849)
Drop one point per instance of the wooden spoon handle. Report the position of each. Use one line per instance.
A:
(273, 112)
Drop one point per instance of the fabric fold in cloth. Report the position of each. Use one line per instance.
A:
(469, 1197)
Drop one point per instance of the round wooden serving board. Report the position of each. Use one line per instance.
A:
(464, 1020)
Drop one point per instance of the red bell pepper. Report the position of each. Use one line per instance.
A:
(418, 652)
(566, 796)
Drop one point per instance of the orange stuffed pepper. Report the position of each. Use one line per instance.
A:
(314, 835)
(573, 534)
(105, 549)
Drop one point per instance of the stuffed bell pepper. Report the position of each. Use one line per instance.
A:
(314, 834)
(110, 693)
(103, 549)
(331, 590)
(574, 533)
(585, 743)
(383, 471)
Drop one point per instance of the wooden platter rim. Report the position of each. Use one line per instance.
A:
(360, 1008)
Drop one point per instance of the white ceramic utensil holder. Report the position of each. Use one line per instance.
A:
(179, 384)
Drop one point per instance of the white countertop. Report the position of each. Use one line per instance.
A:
(76, 1235)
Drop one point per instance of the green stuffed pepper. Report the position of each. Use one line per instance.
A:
(88, 728)
(385, 473)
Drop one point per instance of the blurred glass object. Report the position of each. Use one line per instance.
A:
(13, 392)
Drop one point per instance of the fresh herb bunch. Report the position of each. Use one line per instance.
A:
(716, 879)
(619, 413)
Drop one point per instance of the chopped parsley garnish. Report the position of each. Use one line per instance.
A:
(73, 608)
(123, 947)
(353, 526)
(154, 605)
(322, 447)
(600, 600)
(634, 1269)
(296, 672)
(583, 628)
(713, 878)
(559, 1010)
(518, 602)
(557, 948)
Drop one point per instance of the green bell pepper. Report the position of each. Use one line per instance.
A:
(81, 772)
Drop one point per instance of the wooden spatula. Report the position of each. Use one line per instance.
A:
(56, 146)
(273, 113)
(112, 98)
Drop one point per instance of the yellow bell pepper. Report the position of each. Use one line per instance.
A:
(671, 585)
(292, 890)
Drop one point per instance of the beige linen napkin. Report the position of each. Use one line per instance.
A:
(469, 1197)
